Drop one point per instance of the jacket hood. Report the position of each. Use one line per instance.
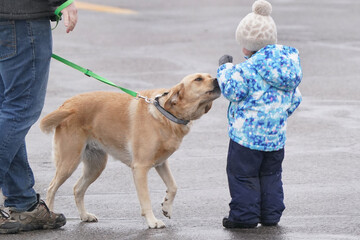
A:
(279, 66)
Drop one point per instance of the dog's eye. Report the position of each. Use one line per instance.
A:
(199, 79)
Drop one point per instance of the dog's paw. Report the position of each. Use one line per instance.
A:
(156, 224)
(88, 217)
(166, 208)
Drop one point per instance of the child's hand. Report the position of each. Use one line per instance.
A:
(225, 59)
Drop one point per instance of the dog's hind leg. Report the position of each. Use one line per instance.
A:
(166, 175)
(94, 160)
(67, 156)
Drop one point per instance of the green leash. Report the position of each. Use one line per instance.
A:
(88, 72)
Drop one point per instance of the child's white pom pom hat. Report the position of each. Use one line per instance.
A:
(257, 29)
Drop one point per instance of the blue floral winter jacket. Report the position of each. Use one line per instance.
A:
(263, 93)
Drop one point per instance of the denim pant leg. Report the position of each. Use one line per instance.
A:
(25, 52)
(243, 165)
(272, 195)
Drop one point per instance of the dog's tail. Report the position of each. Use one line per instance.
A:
(52, 120)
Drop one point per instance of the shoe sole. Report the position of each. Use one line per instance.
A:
(28, 227)
(13, 227)
(9, 231)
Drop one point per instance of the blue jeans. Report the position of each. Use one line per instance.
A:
(25, 52)
(255, 185)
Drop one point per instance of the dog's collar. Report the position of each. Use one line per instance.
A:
(166, 113)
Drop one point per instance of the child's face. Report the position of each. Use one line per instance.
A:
(247, 53)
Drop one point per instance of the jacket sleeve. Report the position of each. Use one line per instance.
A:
(232, 84)
(295, 102)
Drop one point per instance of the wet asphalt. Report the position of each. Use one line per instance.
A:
(155, 48)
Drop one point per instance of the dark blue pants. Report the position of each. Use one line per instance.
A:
(255, 185)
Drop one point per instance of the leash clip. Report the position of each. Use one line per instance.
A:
(148, 100)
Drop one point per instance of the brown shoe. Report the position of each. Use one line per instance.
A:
(8, 225)
(39, 218)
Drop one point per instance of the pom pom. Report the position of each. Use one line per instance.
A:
(262, 7)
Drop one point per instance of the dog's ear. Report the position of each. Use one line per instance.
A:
(175, 95)
(208, 107)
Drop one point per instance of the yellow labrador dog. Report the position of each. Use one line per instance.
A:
(141, 134)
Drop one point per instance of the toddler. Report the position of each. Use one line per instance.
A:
(263, 92)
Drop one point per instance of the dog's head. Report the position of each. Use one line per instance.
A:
(193, 96)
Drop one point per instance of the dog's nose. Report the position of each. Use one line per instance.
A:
(216, 84)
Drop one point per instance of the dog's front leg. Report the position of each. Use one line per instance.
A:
(166, 175)
(140, 179)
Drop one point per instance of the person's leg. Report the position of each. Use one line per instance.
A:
(272, 195)
(19, 177)
(7, 225)
(243, 176)
(24, 69)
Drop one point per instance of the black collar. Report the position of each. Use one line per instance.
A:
(166, 113)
